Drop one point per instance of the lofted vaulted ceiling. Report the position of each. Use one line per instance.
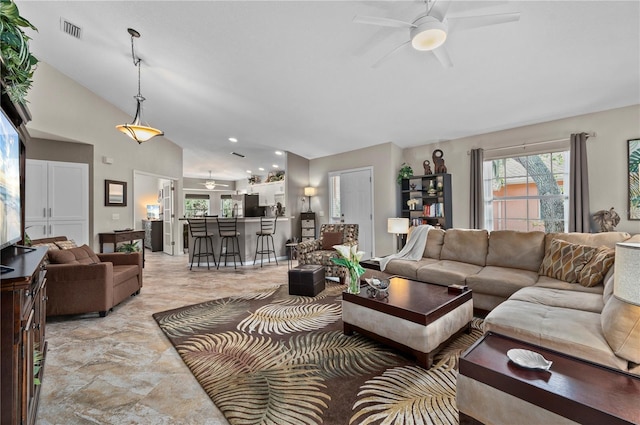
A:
(296, 75)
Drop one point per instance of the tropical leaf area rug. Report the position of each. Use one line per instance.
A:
(274, 358)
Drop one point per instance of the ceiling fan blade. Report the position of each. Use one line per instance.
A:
(388, 55)
(443, 57)
(383, 22)
(469, 22)
(439, 9)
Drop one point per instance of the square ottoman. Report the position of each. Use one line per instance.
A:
(307, 280)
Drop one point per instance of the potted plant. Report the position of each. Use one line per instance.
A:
(18, 64)
(129, 247)
(405, 172)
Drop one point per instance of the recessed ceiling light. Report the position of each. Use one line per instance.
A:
(275, 166)
(249, 171)
(260, 168)
(233, 140)
(278, 152)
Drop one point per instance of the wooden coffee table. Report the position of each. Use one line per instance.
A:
(417, 317)
(492, 389)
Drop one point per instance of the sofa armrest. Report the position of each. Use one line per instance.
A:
(122, 258)
(308, 246)
(79, 288)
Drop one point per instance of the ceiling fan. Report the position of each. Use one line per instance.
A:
(428, 31)
(211, 184)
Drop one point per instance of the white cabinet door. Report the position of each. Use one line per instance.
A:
(68, 191)
(57, 200)
(36, 207)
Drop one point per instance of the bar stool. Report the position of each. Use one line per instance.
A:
(199, 232)
(267, 229)
(228, 230)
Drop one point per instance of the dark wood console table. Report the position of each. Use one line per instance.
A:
(123, 236)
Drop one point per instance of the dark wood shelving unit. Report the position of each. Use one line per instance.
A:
(432, 193)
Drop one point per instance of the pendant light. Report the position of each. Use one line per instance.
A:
(137, 130)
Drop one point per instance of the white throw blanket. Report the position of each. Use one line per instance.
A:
(414, 248)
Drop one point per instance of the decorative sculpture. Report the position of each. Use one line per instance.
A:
(607, 220)
(427, 167)
(438, 162)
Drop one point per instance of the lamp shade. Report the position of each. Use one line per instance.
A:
(309, 191)
(399, 226)
(626, 285)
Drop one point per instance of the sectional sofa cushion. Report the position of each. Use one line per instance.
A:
(564, 260)
(518, 250)
(501, 281)
(466, 246)
(549, 282)
(594, 272)
(79, 255)
(566, 330)
(592, 239)
(621, 328)
(435, 240)
(407, 268)
(446, 272)
(584, 301)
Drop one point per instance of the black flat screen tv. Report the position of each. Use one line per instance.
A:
(10, 207)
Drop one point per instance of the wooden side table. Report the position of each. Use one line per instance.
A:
(492, 389)
(122, 236)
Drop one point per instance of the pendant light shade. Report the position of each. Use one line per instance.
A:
(137, 130)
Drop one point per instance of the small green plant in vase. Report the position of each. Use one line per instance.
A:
(405, 172)
(129, 247)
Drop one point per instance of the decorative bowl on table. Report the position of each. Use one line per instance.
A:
(377, 288)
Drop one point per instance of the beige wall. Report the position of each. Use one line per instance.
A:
(296, 180)
(64, 110)
(607, 154)
(385, 159)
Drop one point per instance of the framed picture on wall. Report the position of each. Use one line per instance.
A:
(115, 193)
(633, 157)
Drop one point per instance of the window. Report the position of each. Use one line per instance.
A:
(334, 196)
(527, 193)
(196, 205)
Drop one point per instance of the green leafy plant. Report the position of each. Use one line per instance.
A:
(37, 364)
(18, 64)
(405, 172)
(129, 247)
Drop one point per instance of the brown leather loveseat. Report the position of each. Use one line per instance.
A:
(80, 281)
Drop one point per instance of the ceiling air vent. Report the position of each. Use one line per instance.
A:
(237, 154)
(69, 28)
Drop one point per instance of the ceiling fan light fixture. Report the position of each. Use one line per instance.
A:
(428, 35)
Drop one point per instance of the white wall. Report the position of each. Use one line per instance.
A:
(385, 160)
(607, 154)
(64, 110)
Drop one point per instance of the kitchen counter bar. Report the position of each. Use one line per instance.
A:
(247, 227)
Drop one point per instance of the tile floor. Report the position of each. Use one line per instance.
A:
(121, 369)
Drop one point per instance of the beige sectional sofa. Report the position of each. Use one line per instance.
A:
(503, 270)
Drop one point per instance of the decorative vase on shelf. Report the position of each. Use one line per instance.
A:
(432, 190)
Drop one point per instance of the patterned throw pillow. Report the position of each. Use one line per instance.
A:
(564, 260)
(329, 239)
(593, 273)
(67, 244)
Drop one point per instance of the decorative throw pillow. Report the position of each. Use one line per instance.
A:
(593, 273)
(78, 255)
(66, 244)
(564, 260)
(329, 239)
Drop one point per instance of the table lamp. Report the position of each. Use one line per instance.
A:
(399, 226)
(626, 286)
(309, 191)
